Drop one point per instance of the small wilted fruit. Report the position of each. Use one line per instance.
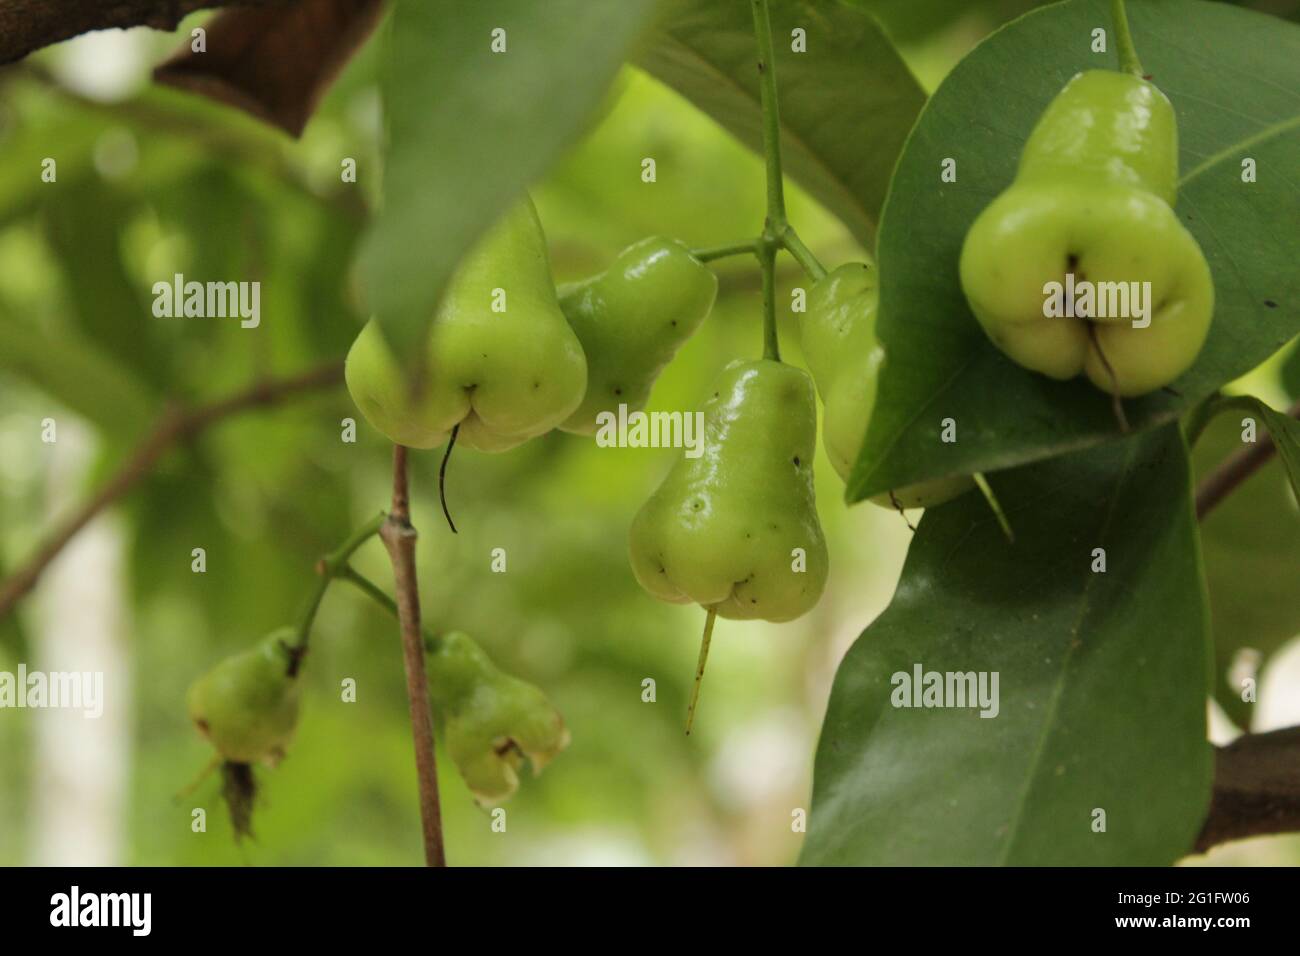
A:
(247, 705)
(491, 721)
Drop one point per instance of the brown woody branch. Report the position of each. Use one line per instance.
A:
(28, 25)
(1235, 469)
(399, 538)
(1256, 788)
(175, 425)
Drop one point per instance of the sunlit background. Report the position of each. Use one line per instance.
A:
(152, 182)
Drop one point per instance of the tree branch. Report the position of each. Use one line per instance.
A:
(1256, 788)
(1235, 469)
(27, 25)
(399, 538)
(174, 426)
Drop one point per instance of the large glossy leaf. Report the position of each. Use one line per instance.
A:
(470, 129)
(1102, 678)
(846, 103)
(1251, 542)
(1234, 79)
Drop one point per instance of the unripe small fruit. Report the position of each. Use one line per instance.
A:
(491, 721)
(247, 705)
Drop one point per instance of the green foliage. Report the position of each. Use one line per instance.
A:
(469, 128)
(1101, 690)
(850, 90)
(1251, 542)
(942, 366)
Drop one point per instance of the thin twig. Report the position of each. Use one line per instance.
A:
(399, 538)
(175, 425)
(1235, 469)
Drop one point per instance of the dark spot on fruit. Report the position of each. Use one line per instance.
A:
(1270, 303)
(796, 461)
(618, 391)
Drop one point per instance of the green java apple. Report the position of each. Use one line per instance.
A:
(631, 320)
(502, 376)
(838, 335)
(492, 721)
(247, 705)
(735, 530)
(1092, 199)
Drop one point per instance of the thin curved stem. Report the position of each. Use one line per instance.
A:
(376, 594)
(442, 478)
(749, 246)
(699, 669)
(1128, 58)
(802, 254)
(327, 568)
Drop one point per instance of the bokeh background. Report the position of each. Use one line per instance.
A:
(153, 182)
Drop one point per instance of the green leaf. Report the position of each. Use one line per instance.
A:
(79, 376)
(1251, 543)
(846, 104)
(470, 129)
(1102, 679)
(1234, 79)
(110, 309)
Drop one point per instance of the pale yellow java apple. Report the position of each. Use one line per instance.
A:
(502, 362)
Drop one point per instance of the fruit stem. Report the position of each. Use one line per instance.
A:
(327, 568)
(1128, 58)
(982, 483)
(771, 341)
(774, 227)
(699, 669)
(376, 594)
(749, 246)
(771, 117)
(1116, 403)
(802, 254)
(442, 477)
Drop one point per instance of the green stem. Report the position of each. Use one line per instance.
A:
(982, 483)
(749, 246)
(771, 342)
(1128, 58)
(771, 115)
(802, 254)
(376, 594)
(328, 568)
(774, 228)
(699, 669)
